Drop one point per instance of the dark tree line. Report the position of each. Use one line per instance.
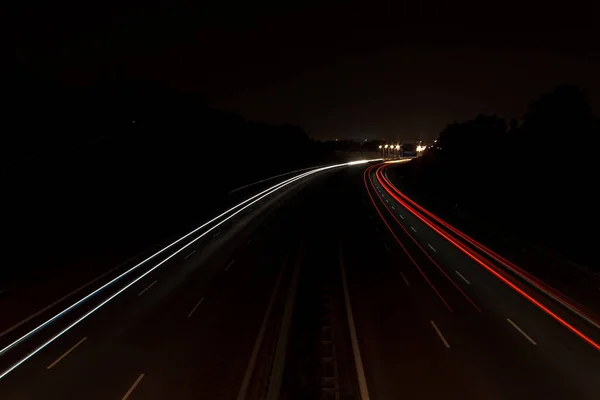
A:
(536, 175)
(126, 163)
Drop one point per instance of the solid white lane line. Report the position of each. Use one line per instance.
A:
(431, 247)
(259, 339)
(278, 358)
(132, 388)
(440, 334)
(196, 306)
(229, 265)
(216, 234)
(463, 278)
(189, 255)
(360, 371)
(521, 332)
(149, 286)
(66, 353)
(401, 216)
(414, 230)
(405, 280)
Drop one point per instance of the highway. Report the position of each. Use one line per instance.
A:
(333, 284)
(446, 327)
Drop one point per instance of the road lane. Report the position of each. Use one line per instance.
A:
(239, 209)
(320, 360)
(521, 280)
(153, 333)
(483, 335)
(571, 321)
(193, 333)
(139, 262)
(131, 330)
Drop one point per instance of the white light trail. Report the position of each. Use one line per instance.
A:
(270, 190)
(262, 195)
(363, 161)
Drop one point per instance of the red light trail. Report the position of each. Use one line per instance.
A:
(428, 219)
(367, 171)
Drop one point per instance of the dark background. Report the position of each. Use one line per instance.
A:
(127, 122)
(110, 170)
(535, 177)
(343, 69)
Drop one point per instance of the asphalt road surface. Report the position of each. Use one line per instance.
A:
(328, 287)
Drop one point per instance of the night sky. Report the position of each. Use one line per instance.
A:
(338, 69)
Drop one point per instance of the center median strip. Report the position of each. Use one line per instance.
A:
(259, 339)
(360, 371)
(278, 364)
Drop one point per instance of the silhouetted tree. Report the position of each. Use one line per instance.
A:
(132, 158)
(565, 111)
(522, 173)
(513, 125)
